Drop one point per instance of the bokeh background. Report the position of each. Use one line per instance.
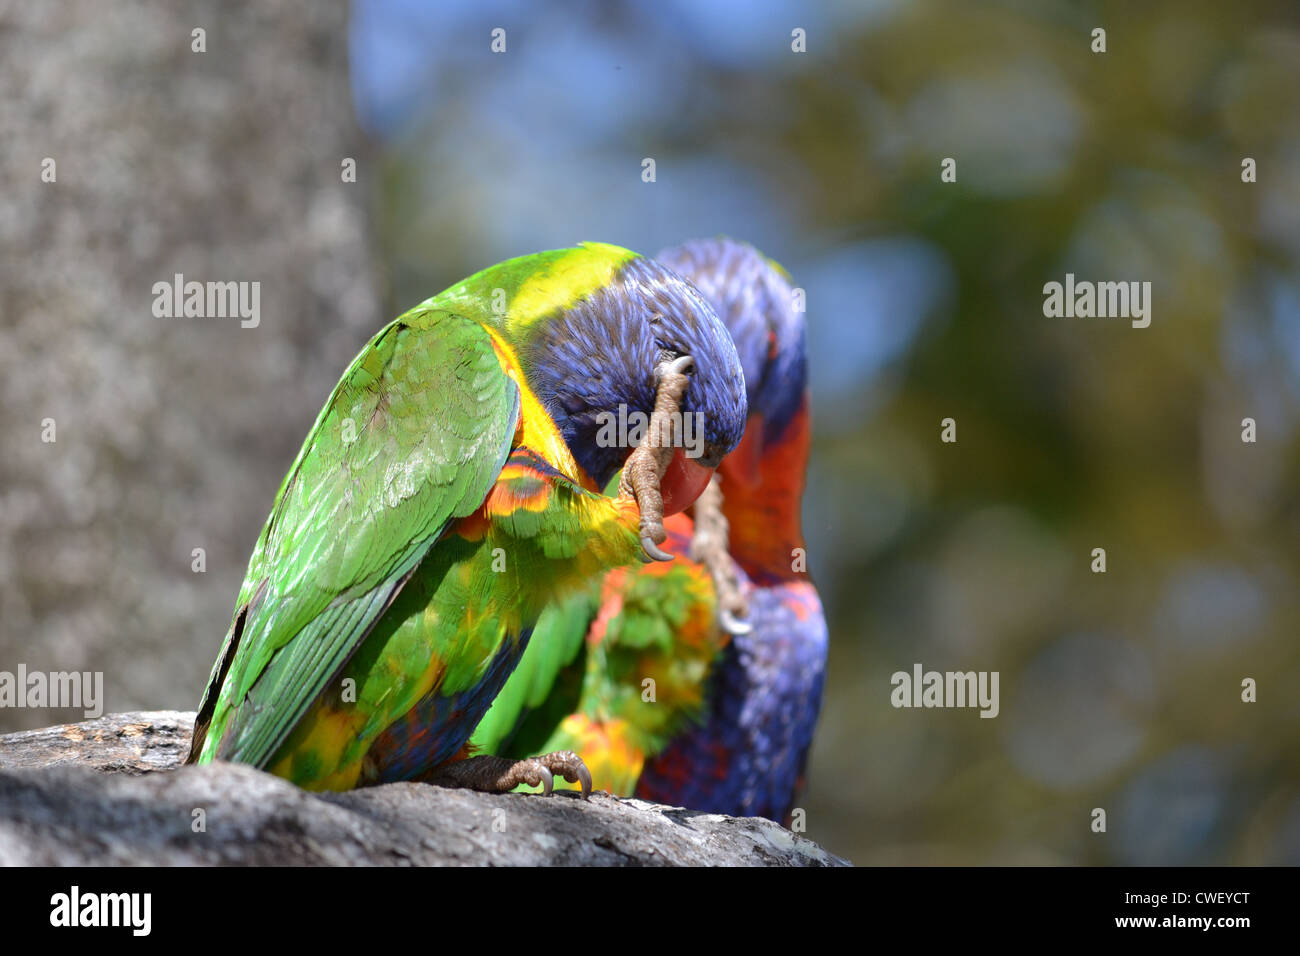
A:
(1119, 690)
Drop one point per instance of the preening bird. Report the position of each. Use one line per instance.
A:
(450, 489)
(698, 683)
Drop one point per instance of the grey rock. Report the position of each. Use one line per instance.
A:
(112, 792)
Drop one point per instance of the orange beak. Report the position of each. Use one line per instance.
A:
(683, 482)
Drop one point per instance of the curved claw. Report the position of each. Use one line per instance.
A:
(548, 780)
(653, 550)
(682, 364)
(584, 777)
(732, 624)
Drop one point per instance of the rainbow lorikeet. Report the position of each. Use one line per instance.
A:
(449, 489)
(645, 672)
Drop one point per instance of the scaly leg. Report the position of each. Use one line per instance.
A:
(709, 546)
(644, 470)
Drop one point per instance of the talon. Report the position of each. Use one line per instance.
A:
(653, 551)
(493, 774)
(645, 468)
(732, 624)
(709, 546)
(584, 776)
(681, 365)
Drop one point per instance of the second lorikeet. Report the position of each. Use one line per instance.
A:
(449, 489)
(646, 672)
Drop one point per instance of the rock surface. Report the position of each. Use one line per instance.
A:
(108, 792)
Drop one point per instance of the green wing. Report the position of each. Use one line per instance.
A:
(545, 685)
(413, 437)
(657, 622)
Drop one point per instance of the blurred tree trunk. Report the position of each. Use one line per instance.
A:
(171, 434)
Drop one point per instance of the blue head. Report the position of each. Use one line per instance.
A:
(753, 297)
(595, 359)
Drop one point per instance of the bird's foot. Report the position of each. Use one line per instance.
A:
(492, 774)
(710, 546)
(644, 470)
